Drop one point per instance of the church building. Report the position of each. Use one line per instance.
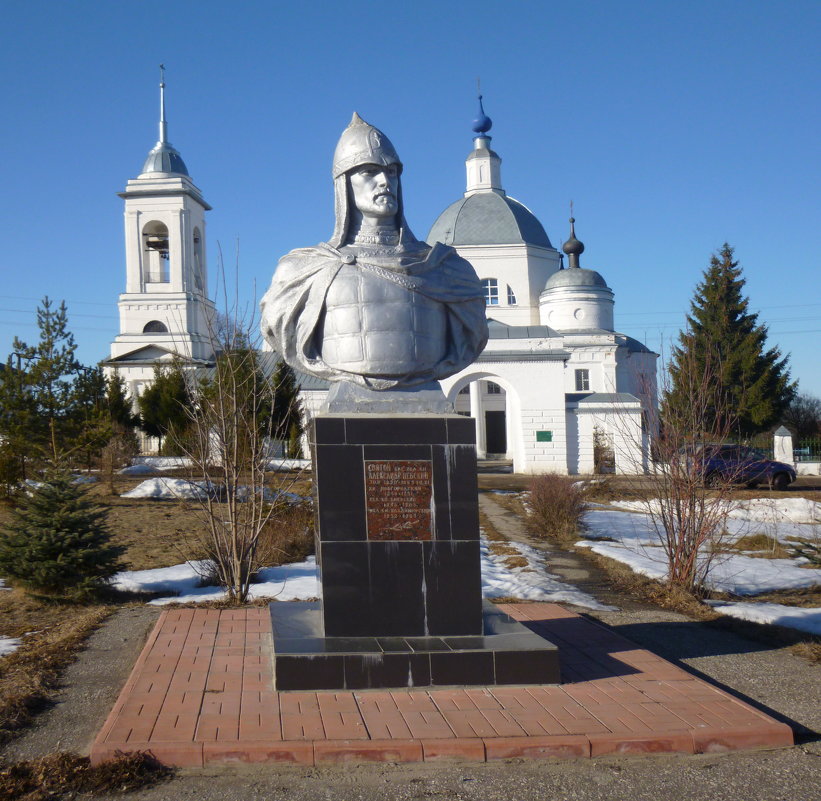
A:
(556, 389)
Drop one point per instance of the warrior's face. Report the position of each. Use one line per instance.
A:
(375, 191)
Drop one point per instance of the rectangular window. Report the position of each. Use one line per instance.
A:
(493, 389)
(491, 287)
(582, 380)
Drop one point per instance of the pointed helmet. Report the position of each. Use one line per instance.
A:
(361, 143)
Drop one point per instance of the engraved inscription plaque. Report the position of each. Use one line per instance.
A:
(397, 496)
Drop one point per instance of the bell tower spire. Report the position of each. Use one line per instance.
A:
(165, 311)
(163, 140)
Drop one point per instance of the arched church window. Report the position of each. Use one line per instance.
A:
(491, 287)
(511, 296)
(198, 283)
(155, 327)
(155, 253)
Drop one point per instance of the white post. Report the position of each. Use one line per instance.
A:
(782, 446)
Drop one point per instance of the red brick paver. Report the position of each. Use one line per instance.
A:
(202, 693)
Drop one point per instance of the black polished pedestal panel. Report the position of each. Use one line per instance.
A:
(506, 652)
(397, 544)
(397, 525)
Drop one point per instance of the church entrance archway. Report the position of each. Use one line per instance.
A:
(493, 403)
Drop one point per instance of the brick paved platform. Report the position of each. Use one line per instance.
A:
(201, 693)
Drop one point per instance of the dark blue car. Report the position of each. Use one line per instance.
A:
(738, 464)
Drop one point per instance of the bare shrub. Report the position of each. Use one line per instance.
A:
(557, 504)
(118, 452)
(687, 507)
(237, 410)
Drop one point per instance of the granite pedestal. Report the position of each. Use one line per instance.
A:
(397, 544)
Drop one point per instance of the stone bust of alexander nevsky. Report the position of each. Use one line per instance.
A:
(373, 306)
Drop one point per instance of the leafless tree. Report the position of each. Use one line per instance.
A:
(228, 445)
(686, 502)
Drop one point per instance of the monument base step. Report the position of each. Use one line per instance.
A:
(506, 653)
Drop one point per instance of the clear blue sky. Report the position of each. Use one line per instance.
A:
(673, 127)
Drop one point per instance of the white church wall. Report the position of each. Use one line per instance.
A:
(618, 426)
(636, 374)
(523, 268)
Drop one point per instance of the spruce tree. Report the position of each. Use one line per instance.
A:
(750, 383)
(57, 540)
(50, 373)
(17, 417)
(165, 406)
(120, 409)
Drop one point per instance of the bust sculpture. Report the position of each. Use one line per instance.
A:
(373, 307)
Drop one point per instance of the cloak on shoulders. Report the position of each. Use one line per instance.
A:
(293, 307)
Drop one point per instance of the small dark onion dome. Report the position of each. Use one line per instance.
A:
(578, 276)
(482, 124)
(573, 247)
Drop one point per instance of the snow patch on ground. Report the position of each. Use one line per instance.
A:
(794, 617)
(164, 489)
(636, 543)
(294, 582)
(168, 488)
(736, 574)
(163, 462)
(138, 470)
(288, 464)
(8, 645)
(298, 581)
(764, 510)
(531, 583)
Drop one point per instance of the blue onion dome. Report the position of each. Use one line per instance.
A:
(482, 124)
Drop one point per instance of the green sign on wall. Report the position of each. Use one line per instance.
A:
(544, 436)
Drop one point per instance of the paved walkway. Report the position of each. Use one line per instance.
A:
(201, 693)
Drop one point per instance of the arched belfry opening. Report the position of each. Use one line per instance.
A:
(156, 253)
(155, 327)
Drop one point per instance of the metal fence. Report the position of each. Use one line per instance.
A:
(761, 442)
(807, 450)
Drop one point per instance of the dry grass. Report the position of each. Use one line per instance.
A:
(761, 545)
(28, 676)
(288, 536)
(489, 530)
(63, 775)
(512, 502)
(647, 590)
(53, 630)
(808, 650)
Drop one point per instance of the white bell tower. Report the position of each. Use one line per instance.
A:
(165, 312)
